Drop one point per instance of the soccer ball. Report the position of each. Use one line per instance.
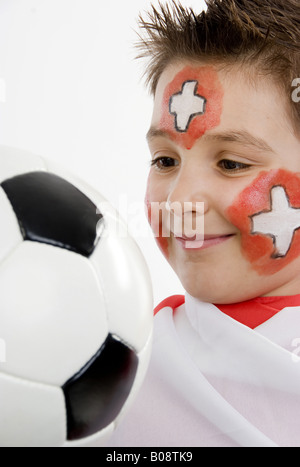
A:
(75, 309)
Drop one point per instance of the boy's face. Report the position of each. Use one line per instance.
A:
(226, 143)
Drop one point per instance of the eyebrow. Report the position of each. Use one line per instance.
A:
(241, 137)
(156, 133)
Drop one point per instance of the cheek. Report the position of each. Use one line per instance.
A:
(147, 202)
(267, 213)
(155, 220)
(192, 104)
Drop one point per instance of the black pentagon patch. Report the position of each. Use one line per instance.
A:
(96, 394)
(51, 210)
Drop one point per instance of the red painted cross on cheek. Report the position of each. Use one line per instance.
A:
(267, 213)
(192, 104)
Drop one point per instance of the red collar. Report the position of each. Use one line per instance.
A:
(255, 312)
(173, 302)
(251, 313)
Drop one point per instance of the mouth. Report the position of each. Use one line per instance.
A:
(203, 242)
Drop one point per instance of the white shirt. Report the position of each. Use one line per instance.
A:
(215, 382)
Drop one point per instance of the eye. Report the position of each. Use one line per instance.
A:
(232, 166)
(163, 163)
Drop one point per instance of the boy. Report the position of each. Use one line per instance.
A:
(225, 139)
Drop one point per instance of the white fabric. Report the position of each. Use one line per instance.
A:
(215, 382)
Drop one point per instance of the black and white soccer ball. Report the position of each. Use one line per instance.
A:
(75, 309)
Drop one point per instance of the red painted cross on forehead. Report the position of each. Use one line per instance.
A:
(192, 104)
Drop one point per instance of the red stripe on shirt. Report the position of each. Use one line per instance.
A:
(251, 313)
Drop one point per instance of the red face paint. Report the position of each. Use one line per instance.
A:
(156, 226)
(192, 84)
(257, 247)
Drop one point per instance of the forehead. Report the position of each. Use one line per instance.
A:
(234, 101)
(230, 77)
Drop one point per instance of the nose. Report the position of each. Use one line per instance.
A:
(188, 202)
(191, 191)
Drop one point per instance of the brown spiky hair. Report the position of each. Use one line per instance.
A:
(262, 35)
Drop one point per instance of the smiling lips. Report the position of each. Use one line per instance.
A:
(201, 242)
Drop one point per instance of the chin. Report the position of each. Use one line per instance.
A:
(204, 293)
(210, 292)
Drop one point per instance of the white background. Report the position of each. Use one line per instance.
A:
(72, 91)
